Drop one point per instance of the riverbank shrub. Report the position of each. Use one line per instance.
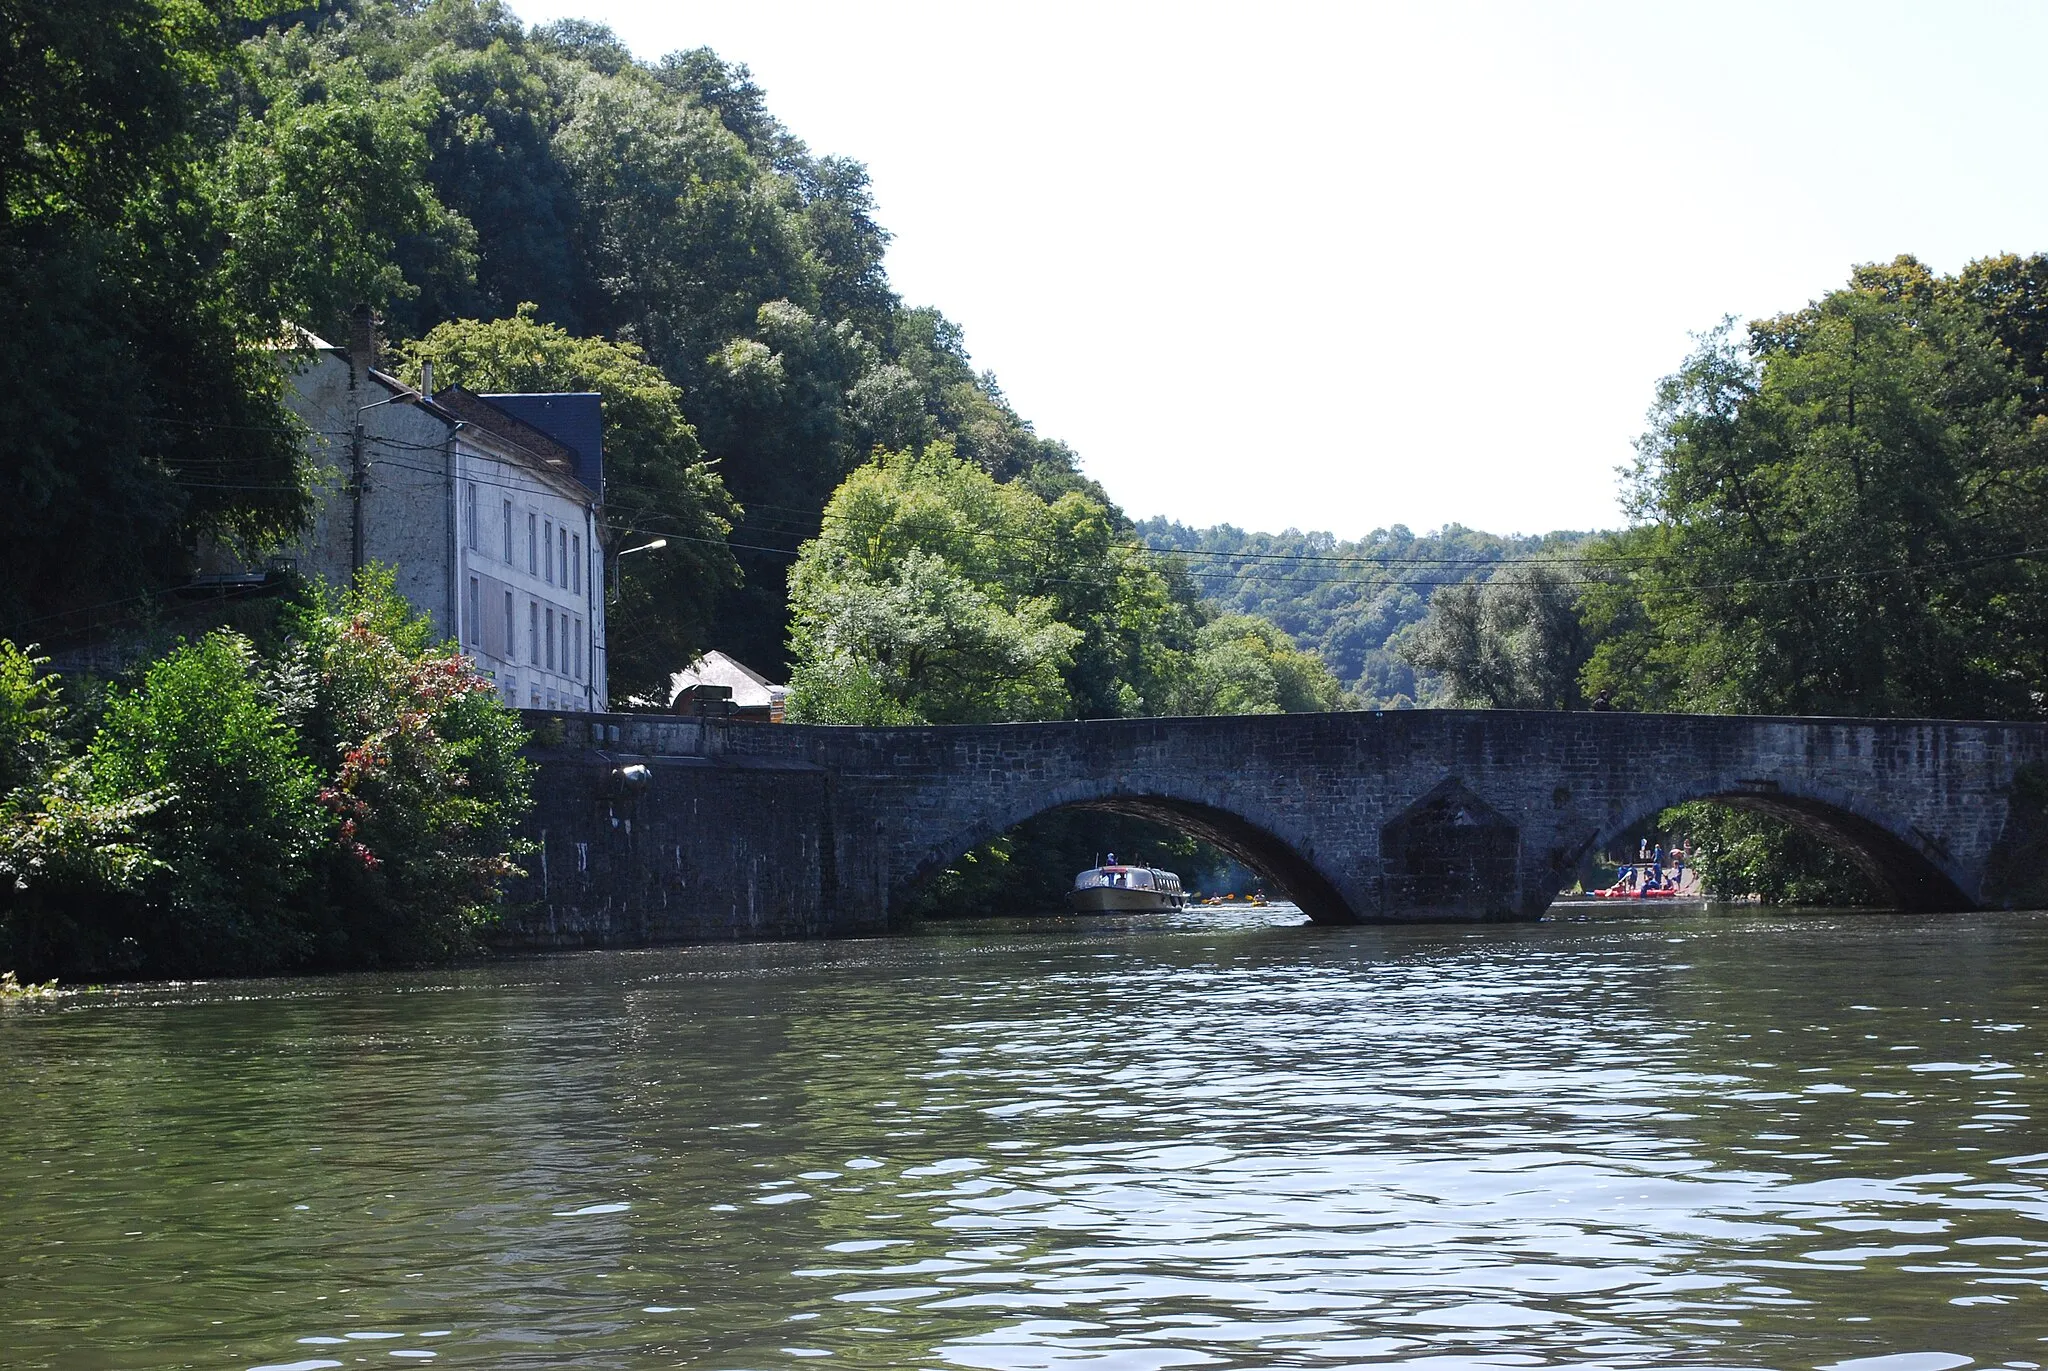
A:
(421, 776)
(238, 823)
(63, 846)
(347, 799)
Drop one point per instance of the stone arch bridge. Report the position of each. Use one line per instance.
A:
(651, 828)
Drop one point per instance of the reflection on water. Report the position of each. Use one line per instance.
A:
(1212, 1139)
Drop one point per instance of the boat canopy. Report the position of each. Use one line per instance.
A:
(1126, 878)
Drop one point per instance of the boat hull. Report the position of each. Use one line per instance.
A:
(1121, 900)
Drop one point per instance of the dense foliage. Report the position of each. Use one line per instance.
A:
(1836, 512)
(1840, 513)
(138, 394)
(346, 799)
(655, 205)
(937, 594)
(1740, 853)
(62, 845)
(175, 198)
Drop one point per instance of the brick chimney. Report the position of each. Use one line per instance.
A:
(362, 342)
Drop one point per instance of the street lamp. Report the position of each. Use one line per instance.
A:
(645, 547)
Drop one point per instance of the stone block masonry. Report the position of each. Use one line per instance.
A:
(656, 829)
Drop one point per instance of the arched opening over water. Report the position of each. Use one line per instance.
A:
(1900, 873)
(1287, 873)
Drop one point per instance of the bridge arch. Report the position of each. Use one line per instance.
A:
(1290, 871)
(1905, 868)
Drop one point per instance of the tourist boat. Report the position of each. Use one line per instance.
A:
(1114, 889)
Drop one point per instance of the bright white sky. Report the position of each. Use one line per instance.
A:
(1338, 266)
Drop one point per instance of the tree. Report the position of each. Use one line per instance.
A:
(1845, 510)
(1514, 641)
(141, 402)
(935, 593)
(1246, 665)
(1741, 853)
(323, 180)
(960, 597)
(925, 645)
(657, 484)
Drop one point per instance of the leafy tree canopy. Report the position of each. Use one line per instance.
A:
(138, 389)
(1246, 665)
(1840, 511)
(1512, 641)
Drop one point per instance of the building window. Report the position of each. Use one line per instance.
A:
(576, 629)
(533, 630)
(532, 545)
(547, 547)
(474, 620)
(508, 541)
(551, 640)
(576, 563)
(510, 647)
(469, 512)
(562, 553)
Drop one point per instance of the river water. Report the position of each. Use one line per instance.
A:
(1723, 1139)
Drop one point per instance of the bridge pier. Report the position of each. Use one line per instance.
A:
(657, 829)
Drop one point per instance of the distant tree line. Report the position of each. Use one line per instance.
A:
(1348, 601)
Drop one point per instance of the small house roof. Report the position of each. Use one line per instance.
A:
(749, 687)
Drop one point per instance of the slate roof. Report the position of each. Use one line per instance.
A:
(573, 418)
(535, 444)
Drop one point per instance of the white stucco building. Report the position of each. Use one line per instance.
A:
(486, 507)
